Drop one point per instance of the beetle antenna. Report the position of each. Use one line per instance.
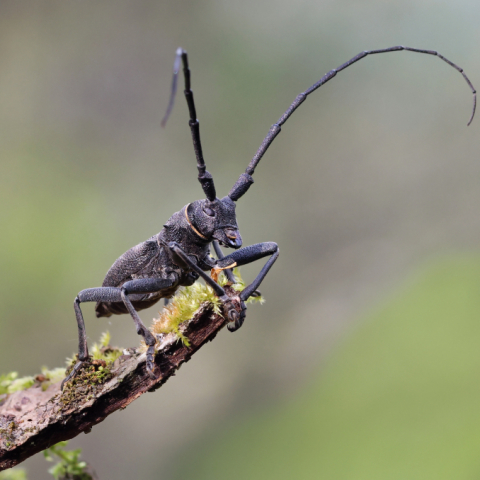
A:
(245, 180)
(204, 177)
(176, 68)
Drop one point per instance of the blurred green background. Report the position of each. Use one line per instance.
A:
(363, 363)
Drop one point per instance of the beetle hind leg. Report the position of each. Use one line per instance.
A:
(116, 295)
(104, 294)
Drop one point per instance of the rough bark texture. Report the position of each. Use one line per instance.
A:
(33, 420)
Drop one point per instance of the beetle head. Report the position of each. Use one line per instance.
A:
(216, 220)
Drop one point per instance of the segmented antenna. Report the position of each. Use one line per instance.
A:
(176, 69)
(204, 177)
(276, 127)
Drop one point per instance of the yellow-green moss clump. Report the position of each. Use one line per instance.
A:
(188, 300)
(104, 351)
(86, 383)
(8, 433)
(92, 373)
(100, 351)
(103, 356)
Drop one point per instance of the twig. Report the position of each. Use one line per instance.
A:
(33, 420)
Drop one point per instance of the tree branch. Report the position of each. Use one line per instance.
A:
(33, 420)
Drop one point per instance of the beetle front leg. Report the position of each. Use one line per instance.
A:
(231, 313)
(247, 255)
(228, 271)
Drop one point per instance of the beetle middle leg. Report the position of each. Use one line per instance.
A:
(142, 286)
(229, 271)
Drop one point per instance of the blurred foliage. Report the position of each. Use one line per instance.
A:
(10, 383)
(398, 400)
(13, 474)
(70, 467)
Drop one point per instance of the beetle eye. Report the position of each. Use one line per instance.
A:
(209, 212)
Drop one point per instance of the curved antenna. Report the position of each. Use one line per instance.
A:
(204, 177)
(176, 68)
(245, 180)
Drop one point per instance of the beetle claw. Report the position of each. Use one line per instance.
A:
(73, 373)
(234, 316)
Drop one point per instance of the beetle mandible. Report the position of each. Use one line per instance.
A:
(180, 253)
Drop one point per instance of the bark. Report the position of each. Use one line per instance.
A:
(33, 420)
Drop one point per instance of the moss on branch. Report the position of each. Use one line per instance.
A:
(35, 418)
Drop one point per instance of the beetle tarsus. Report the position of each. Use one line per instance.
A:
(235, 316)
(151, 362)
(72, 374)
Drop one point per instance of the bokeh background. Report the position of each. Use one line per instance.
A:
(364, 361)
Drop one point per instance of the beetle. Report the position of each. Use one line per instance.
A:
(180, 254)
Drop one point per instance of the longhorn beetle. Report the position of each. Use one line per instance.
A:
(180, 253)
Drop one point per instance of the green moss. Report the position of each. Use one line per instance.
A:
(86, 383)
(103, 356)
(92, 374)
(8, 433)
(188, 300)
(54, 375)
(182, 308)
(100, 351)
(103, 350)
(49, 377)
